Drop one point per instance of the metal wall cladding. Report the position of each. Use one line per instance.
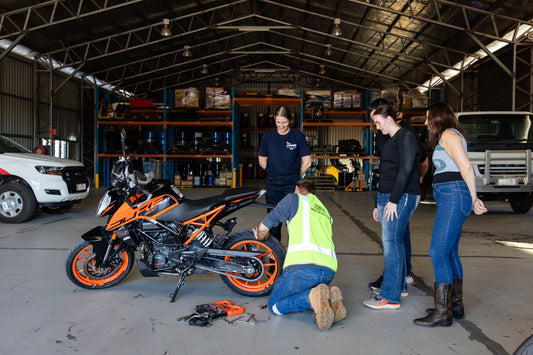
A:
(17, 92)
(16, 89)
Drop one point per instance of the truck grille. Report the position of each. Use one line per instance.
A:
(74, 176)
(505, 169)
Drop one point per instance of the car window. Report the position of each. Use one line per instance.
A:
(8, 146)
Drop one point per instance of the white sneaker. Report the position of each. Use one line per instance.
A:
(409, 279)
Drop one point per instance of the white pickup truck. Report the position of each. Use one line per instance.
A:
(499, 148)
(29, 181)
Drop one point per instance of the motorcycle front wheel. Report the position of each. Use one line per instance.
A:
(82, 270)
(272, 257)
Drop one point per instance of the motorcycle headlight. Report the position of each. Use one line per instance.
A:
(104, 203)
(49, 170)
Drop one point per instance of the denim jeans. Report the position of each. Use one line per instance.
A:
(291, 290)
(278, 186)
(454, 205)
(393, 234)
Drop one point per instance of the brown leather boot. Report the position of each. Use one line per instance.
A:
(442, 313)
(458, 309)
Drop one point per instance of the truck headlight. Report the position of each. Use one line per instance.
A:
(49, 170)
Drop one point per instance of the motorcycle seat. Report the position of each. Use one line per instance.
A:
(237, 193)
(189, 209)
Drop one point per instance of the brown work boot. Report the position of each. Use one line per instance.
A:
(336, 303)
(319, 299)
(442, 312)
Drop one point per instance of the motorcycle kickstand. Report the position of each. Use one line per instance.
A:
(178, 286)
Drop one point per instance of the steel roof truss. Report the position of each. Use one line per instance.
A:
(54, 19)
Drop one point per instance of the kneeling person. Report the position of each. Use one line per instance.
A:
(311, 261)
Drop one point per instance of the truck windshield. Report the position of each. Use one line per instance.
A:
(497, 128)
(8, 146)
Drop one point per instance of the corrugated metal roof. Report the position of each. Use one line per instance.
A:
(403, 42)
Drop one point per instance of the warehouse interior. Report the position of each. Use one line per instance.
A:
(194, 85)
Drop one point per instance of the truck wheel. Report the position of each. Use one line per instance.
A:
(520, 202)
(17, 203)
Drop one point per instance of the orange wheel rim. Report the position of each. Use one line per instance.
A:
(78, 269)
(270, 264)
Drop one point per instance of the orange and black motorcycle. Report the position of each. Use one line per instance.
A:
(174, 236)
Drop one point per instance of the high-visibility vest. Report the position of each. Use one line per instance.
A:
(310, 235)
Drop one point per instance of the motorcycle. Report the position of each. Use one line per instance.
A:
(174, 236)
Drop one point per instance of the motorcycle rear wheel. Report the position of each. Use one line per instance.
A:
(82, 270)
(272, 256)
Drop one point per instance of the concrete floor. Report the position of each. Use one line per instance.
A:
(43, 312)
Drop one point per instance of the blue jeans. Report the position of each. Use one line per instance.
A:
(291, 290)
(393, 234)
(454, 205)
(278, 186)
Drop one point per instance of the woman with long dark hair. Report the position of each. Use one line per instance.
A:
(397, 198)
(454, 190)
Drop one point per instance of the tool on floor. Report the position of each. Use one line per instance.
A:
(207, 312)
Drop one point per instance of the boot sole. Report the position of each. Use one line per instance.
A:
(336, 303)
(321, 306)
(444, 324)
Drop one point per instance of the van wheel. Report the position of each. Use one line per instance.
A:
(17, 203)
(520, 202)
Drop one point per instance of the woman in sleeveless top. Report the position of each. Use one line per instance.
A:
(454, 190)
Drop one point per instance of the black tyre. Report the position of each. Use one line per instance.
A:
(56, 210)
(520, 202)
(17, 203)
(272, 258)
(81, 269)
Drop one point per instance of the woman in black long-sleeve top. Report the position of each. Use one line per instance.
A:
(397, 198)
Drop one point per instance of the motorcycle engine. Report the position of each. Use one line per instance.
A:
(162, 244)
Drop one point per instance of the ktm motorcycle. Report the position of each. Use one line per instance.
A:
(173, 235)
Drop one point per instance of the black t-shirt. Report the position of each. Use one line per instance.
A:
(398, 167)
(382, 138)
(284, 152)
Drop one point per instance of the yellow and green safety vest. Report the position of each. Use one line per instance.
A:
(310, 235)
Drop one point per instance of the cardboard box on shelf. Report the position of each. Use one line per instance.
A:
(177, 180)
(218, 98)
(361, 177)
(190, 178)
(363, 184)
(189, 97)
(220, 182)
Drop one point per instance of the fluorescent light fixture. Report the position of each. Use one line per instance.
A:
(204, 69)
(322, 70)
(471, 59)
